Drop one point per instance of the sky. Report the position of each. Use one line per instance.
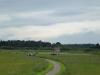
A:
(65, 21)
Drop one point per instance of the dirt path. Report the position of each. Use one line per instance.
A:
(56, 68)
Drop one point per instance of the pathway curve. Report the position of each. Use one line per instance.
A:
(56, 67)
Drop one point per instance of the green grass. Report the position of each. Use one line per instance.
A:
(50, 67)
(77, 64)
(18, 63)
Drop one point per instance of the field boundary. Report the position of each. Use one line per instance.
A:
(50, 67)
(58, 66)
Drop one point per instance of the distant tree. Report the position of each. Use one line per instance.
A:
(58, 44)
(97, 45)
(22, 44)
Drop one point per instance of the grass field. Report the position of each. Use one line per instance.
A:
(18, 63)
(77, 64)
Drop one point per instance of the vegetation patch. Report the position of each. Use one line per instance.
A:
(18, 63)
(77, 64)
(49, 67)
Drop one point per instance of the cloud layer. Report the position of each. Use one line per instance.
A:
(51, 20)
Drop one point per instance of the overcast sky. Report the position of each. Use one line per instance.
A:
(66, 21)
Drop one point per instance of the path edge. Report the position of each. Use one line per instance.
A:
(50, 67)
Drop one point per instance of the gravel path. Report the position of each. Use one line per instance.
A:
(56, 67)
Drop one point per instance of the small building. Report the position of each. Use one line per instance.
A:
(56, 49)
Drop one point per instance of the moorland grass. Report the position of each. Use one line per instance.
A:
(76, 64)
(18, 63)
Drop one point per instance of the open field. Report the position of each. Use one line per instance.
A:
(77, 64)
(18, 63)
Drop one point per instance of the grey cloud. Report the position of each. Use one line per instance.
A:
(26, 5)
(7, 36)
(70, 12)
(64, 11)
(56, 17)
(87, 37)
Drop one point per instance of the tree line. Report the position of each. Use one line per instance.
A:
(40, 45)
(22, 44)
